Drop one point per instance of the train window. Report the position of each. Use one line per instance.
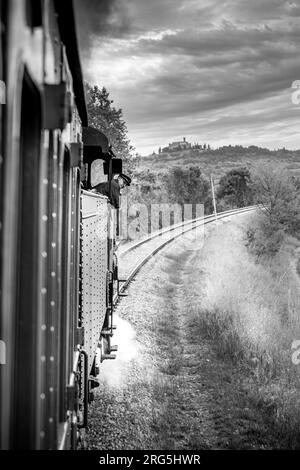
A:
(84, 176)
(34, 14)
(116, 166)
(25, 391)
(97, 173)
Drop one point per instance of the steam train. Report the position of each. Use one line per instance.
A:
(57, 238)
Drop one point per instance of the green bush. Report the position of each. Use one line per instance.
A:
(188, 186)
(234, 188)
(278, 194)
(263, 240)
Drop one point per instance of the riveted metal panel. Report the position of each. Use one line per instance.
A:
(94, 268)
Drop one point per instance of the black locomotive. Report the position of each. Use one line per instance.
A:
(57, 239)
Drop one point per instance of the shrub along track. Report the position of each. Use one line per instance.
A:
(168, 388)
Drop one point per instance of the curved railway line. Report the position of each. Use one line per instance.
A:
(148, 246)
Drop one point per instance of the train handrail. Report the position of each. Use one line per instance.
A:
(96, 195)
(70, 386)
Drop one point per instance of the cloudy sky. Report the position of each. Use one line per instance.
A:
(213, 71)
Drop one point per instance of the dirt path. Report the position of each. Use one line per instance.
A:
(168, 389)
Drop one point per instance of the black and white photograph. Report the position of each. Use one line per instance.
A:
(150, 230)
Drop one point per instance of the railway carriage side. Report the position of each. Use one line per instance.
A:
(40, 220)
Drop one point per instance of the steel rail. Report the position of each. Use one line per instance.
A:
(171, 228)
(193, 224)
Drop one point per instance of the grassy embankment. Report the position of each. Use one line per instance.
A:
(251, 311)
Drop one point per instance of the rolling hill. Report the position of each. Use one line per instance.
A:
(218, 162)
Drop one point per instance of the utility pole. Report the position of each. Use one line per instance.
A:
(214, 199)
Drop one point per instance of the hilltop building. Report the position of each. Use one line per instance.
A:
(184, 145)
(180, 145)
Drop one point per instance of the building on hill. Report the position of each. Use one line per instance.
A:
(184, 145)
(179, 145)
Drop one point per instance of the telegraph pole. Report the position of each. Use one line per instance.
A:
(214, 198)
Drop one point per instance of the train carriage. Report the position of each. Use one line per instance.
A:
(56, 256)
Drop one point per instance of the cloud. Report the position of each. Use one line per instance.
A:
(100, 18)
(172, 63)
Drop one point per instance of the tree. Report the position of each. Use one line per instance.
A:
(109, 120)
(234, 188)
(296, 181)
(278, 192)
(188, 186)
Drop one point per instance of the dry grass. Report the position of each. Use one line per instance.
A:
(253, 310)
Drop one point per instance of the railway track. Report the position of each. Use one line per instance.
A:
(135, 255)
